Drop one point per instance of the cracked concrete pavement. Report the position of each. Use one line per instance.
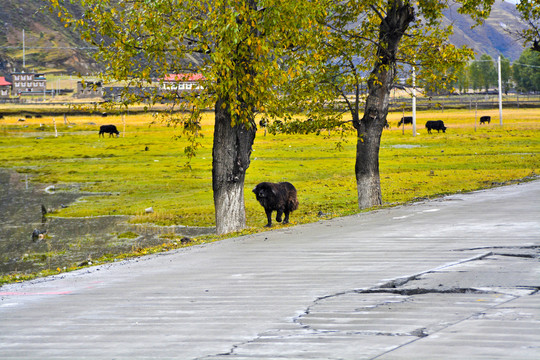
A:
(452, 278)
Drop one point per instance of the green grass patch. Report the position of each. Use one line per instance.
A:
(145, 166)
(128, 235)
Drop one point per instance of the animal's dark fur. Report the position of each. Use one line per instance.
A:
(405, 120)
(280, 197)
(109, 129)
(435, 125)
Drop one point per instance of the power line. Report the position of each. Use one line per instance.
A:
(51, 47)
(527, 65)
(492, 61)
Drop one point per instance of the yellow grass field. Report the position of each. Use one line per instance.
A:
(146, 167)
(464, 158)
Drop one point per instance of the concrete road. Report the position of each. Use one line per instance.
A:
(453, 278)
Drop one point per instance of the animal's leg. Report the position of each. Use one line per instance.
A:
(286, 220)
(278, 215)
(269, 216)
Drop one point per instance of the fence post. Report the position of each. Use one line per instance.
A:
(475, 113)
(403, 122)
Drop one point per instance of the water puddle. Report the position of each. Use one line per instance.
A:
(65, 241)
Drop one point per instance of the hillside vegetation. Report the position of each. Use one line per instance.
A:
(493, 37)
(50, 47)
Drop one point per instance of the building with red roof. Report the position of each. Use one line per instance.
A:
(181, 82)
(5, 87)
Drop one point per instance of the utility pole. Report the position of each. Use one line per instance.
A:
(413, 101)
(500, 89)
(23, 58)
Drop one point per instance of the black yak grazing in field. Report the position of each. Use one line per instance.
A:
(405, 120)
(485, 119)
(109, 129)
(280, 197)
(435, 125)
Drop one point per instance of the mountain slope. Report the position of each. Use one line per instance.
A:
(492, 37)
(50, 47)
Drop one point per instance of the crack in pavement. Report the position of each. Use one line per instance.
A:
(472, 316)
(520, 247)
(339, 314)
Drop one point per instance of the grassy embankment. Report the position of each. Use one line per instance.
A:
(411, 167)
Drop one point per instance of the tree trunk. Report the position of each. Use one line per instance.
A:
(370, 127)
(368, 181)
(231, 157)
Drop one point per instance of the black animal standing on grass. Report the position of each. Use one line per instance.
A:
(405, 120)
(110, 129)
(280, 197)
(484, 119)
(435, 125)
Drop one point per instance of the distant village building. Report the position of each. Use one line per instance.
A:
(89, 89)
(28, 83)
(120, 93)
(181, 82)
(5, 87)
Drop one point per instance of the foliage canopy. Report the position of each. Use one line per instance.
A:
(530, 14)
(350, 44)
(238, 46)
(526, 71)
